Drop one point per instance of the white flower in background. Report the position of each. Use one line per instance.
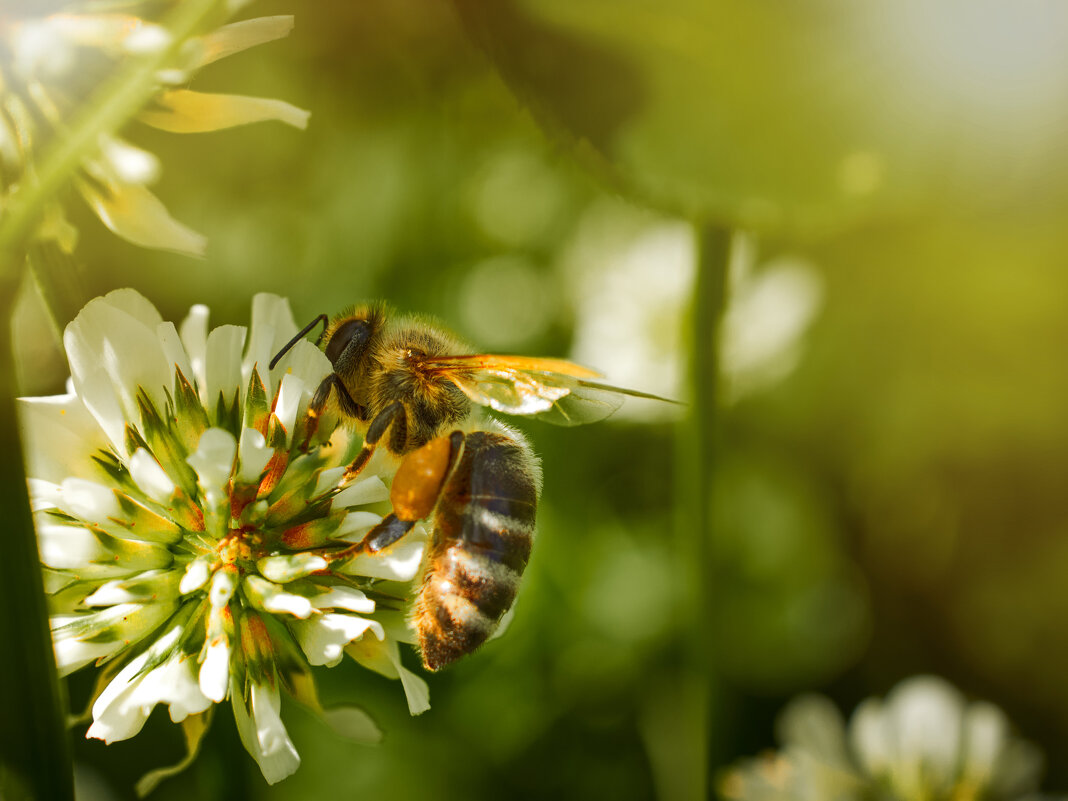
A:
(925, 742)
(769, 312)
(631, 276)
(51, 66)
(192, 547)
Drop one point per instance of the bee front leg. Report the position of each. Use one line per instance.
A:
(318, 404)
(393, 415)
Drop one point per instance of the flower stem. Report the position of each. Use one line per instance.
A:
(35, 760)
(710, 295)
(717, 247)
(60, 282)
(697, 692)
(110, 108)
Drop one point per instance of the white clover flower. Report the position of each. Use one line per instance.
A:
(50, 67)
(192, 546)
(923, 743)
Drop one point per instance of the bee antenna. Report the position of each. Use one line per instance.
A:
(322, 318)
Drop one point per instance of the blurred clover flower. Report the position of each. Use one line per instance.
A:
(51, 67)
(923, 743)
(192, 546)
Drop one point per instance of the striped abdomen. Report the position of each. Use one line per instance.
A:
(483, 529)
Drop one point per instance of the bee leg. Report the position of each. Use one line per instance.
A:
(387, 532)
(389, 529)
(394, 415)
(422, 474)
(319, 401)
(415, 491)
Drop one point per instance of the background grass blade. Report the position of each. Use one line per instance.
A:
(35, 760)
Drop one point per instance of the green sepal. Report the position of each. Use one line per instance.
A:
(133, 441)
(190, 419)
(126, 623)
(196, 630)
(257, 409)
(184, 511)
(313, 533)
(114, 469)
(290, 498)
(289, 658)
(130, 554)
(253, 515)
(228, 413)
(257, 646)
(278, 466)
(164, 647)
(70, 598)
(164, 444)
(144, 524)
(57, 580)
(146, 587)
(63, 517)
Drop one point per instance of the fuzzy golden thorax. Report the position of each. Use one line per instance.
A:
(400, 372)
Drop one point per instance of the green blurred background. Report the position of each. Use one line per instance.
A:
(889, 493)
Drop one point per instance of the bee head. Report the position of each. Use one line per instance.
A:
(347, 339)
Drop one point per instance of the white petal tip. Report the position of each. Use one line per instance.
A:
(147, 38)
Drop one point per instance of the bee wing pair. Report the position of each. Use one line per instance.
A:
(554, 390)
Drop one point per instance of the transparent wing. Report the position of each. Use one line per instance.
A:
(551, 389)
(496, 361)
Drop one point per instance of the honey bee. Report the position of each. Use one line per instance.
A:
(419, 392)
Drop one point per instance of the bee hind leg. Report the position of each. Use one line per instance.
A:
(389, 529)
(414, 494)
(387, 532)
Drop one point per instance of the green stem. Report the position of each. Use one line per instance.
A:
(60, 282)
(698, 690)
(716, 248)
(709, 303)
(111, 107)
(35, 760)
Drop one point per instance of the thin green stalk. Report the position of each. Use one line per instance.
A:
(716, 249)
(60, 282)
(697, 689)
(709, 302)
(111, 107)
(35, 760)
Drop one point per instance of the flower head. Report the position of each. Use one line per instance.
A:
(51, 65)
(194, 545)
(924, 742)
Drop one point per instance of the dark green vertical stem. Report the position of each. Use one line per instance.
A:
(698, 449)
(35, 760)
(709, 301)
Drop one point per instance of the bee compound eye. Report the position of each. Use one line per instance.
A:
(348, 333)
